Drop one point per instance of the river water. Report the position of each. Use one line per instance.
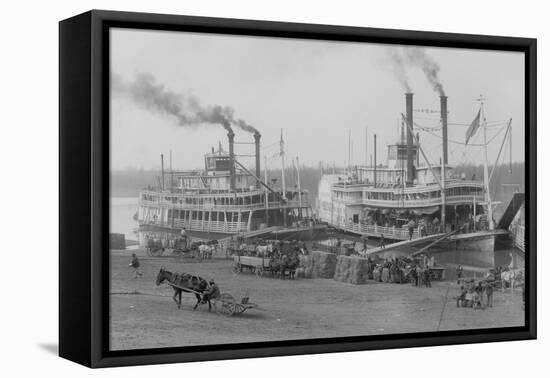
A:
(123, 210)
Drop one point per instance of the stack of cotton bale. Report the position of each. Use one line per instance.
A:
(351, 269)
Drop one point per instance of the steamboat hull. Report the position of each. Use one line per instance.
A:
(473, 249)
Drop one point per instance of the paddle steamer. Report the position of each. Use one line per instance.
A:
(409, 194)
(225, 198)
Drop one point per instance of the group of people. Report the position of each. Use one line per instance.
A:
(420, 276)
(476, 295)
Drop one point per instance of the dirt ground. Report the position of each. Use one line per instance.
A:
(143, 315)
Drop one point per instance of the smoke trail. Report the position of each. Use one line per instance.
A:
(419, 57)
(245, 126)
(187, 109)
(399, 69)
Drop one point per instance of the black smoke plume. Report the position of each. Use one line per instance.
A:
(429, 66)
(399, 69)
(419, 57)
(186, 109)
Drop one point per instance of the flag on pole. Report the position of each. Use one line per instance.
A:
(473, 127)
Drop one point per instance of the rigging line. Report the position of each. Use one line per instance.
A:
(455, 141)
(490, 124)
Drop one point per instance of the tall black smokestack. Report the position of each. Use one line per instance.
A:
(444, 127)
(410, 152)
(231, 137)
(257, 137)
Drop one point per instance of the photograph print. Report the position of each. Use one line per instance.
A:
(274, 189)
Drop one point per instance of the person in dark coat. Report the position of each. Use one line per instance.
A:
(427, 277)
(212, 292)
(461, 299)
(459, 272)
(135, 265)
(414, 278)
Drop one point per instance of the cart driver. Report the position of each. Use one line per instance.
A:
(212, 292)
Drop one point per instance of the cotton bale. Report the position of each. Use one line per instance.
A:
(352, 269)
(323, 264)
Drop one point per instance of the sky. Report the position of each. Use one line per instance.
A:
(317, 92)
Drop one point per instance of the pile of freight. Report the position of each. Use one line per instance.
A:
(317, 265)
(352, 269)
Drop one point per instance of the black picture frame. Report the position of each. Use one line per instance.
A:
(84, 187)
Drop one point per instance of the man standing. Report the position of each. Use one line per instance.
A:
(411, 225)
(135, 265)
(435, 223)
(459, 272)
(427, 277)
(382, 241)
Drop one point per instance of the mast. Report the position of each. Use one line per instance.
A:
(375, 160)
(366, 146)
(299, 183)
(282, 153)
(349, 151)
(283, 175)
(443, 194)
(486, 168)
(171, 172)
(266, 194)
(162, 171)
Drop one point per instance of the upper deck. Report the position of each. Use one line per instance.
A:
(222, 201)
(418, 196)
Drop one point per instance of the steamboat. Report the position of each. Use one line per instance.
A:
(409, 199)
(223, 199)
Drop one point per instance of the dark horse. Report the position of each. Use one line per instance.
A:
(185, 282)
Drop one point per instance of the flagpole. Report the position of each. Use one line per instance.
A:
(486, 169)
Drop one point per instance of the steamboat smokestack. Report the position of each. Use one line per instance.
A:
(410, 151)
(257, 137)
(444, 127)
(231, 137)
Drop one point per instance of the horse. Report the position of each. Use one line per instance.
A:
(292, 265)
(264, 250)
(278, 266)
(511, 278)
(206, 251)
(185, 283)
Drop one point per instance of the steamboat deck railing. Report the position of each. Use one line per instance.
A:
(202, 225)
(394, 233)
(449, 200)
(218, 207)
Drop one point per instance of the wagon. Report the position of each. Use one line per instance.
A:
(226, 305)
(257, 265)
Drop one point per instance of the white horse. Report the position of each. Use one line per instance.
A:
(264, 250)
(511, 278)
(205, 251)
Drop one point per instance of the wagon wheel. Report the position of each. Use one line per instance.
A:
(225, 305)
(239, 308)
(228, 308)
(237, 268)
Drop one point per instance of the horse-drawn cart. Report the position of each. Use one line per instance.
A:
(257, 265)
